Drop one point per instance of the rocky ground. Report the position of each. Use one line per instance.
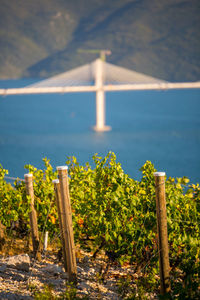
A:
(21, 277)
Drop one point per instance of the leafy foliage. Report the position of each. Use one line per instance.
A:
(47, 293)
(13, 205)
(116, 213)
(44, 197)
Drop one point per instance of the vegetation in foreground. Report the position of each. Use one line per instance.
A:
(117, 214)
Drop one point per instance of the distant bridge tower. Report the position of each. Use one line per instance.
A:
(99, 75)
(100, 97)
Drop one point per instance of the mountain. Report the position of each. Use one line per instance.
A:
(40, 38)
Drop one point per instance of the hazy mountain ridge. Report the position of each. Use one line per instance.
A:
(158, 38)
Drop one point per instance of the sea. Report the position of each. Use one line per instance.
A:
(160, 126)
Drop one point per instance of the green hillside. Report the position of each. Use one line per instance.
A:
(39, 38)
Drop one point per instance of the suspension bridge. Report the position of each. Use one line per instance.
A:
(100, 77)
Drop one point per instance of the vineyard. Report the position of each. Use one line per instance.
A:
(114, 216)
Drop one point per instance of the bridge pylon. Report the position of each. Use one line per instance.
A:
(100, 97)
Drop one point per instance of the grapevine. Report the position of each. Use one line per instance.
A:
(116, 214)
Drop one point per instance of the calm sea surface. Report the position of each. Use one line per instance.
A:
(160, 126)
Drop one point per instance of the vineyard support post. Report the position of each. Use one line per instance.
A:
(162, 232)
(2, 240)
(45, 240)
(66, 215)
(58, 204)
(33, 216)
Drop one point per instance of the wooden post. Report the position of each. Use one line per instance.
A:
(45, 241)
(2, 239)
(66, 216)
(33, 216)
(162, 233)
(58, 204)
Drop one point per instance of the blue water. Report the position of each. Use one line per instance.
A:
(160, 126)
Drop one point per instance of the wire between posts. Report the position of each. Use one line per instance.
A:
(14, 178)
